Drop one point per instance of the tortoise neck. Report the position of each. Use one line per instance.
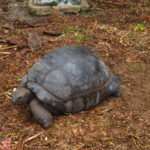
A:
(31, 96)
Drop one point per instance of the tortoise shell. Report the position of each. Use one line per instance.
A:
(67, 74)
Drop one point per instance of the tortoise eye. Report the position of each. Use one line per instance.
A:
(19, 99)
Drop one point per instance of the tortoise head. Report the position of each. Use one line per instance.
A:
(114, 87)
(21, 96)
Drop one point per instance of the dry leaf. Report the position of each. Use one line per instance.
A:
(74, 130)
(93, 112)
(103, 133)
(107, 54)
(111, 143)
(6, 144)
(81, 131)
(6, 31)
(147, 18)
(129, 59)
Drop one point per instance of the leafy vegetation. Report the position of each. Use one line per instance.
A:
(77, 33)
(140, 27)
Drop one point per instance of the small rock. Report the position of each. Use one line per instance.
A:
(35, 41)
(63, 8)
(1, 11)
(16, 12)
(52, 33)
(20, 42)
(0, 27)
(8, 26)
(4, 2)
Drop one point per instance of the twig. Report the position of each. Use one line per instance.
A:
(92, 3)
(132, 135)
(113, 3)
(4, 41)
(5, 53)
(107, 110)
(32, 137)
(20, 145)
(135, 143)
(94, 26)
(8, 47)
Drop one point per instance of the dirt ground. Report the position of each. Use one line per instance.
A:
(119, 33)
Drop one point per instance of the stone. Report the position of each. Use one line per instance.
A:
(8, 26)
(16, 12)
(47, 10)
(35, 41)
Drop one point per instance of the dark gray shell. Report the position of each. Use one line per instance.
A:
(67, 73)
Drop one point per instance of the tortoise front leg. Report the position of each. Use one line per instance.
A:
(40, 114)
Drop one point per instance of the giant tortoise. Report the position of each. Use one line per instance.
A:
(67, 80)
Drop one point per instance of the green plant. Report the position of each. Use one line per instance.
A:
(133, 67)
(47, 4)
(80, 37)
(88, 15)
(1, 105)
(21, 32)
(140, 27)
(36, 12)
(25, 4)
(70, 30)
(79, 34)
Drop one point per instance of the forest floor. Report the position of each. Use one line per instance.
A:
(119, 33)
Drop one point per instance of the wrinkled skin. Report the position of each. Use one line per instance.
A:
(21, 96)
(40, 114)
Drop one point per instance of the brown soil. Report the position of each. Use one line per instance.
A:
(117, 124)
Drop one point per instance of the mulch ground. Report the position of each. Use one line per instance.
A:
(120, 35)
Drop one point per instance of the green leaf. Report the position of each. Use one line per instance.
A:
(140, 27)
